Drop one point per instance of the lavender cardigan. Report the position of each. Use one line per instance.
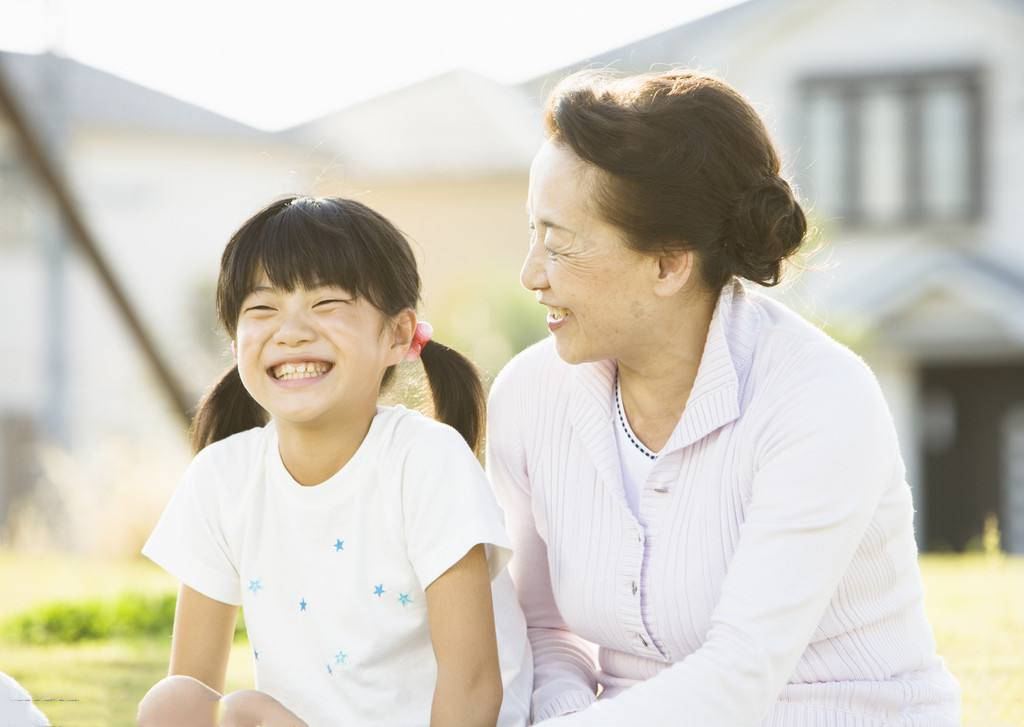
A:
(771, 578)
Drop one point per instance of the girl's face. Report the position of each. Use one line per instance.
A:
(596, 289)
(307, 356)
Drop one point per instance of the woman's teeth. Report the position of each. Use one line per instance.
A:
(556, 314)
(303, 370)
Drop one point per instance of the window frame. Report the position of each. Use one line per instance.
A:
(850, 88)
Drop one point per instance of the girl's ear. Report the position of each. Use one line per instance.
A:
(403, 326)
(234, 351)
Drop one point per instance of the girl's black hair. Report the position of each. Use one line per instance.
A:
(306, 242)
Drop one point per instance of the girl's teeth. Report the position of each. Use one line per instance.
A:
(304, 370)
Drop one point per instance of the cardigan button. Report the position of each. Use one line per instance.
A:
(634, 588)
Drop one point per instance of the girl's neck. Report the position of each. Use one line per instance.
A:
(313, 452)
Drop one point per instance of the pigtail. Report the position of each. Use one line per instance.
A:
(456, 389)
(226, 409)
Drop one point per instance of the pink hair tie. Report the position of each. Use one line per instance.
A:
(419, 339)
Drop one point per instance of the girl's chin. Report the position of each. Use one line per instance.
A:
(298, 419)
(309, 411)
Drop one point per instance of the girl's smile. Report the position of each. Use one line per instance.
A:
(299, 371)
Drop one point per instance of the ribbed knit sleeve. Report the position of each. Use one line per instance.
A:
(564, 679)
(824, 452)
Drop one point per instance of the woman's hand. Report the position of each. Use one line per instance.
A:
(250, 708)
(179, 700)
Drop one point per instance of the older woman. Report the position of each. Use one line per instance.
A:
(697, 481)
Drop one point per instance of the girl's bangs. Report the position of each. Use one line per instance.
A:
(295, 249)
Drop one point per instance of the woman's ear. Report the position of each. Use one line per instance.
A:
(675, 269)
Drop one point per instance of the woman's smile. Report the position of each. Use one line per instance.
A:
(556, 317)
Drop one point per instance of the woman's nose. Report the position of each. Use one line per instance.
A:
(532, 276)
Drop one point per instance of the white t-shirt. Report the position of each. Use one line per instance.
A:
(331, 578)
(16, 706)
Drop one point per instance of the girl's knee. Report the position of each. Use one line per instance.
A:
(179, 700)
(251, 708)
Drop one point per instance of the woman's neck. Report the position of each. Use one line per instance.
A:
(657, 378)
(313, 452)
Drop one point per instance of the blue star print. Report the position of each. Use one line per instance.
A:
(302, 604)
(255, 586)
(379, 590)
(256, 653)
(329, 670)
(404, 599)
(340, 658)
(339, 544)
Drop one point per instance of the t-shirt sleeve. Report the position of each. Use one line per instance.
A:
(189, 540)
(448, 507)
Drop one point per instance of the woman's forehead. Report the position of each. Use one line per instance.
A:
(559, 186)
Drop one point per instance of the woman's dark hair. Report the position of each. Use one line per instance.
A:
(688, 165)
(306, 242)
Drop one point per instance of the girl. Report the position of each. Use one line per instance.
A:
(360, 540)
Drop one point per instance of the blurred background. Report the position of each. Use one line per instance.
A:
(902, 126)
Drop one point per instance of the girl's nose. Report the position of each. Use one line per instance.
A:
(294, 331)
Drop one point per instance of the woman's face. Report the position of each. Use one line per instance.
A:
(595, 288)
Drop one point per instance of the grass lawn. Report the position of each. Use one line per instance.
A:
(974, 603)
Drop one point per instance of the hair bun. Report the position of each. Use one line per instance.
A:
(766, 227)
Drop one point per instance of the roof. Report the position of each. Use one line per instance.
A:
(701, 40)
(92, 97)
(934, 298)
(458, 123)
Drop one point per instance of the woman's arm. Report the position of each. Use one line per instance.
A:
(461, 617)
(563, 664)
(824, 458)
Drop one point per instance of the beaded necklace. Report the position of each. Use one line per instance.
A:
(625, 427)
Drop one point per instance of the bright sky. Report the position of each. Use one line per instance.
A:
(275, 64)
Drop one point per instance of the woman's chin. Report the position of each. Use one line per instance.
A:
(571, 354)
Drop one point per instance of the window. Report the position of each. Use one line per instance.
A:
(896, 148)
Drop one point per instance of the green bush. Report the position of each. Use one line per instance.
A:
(130, 615)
